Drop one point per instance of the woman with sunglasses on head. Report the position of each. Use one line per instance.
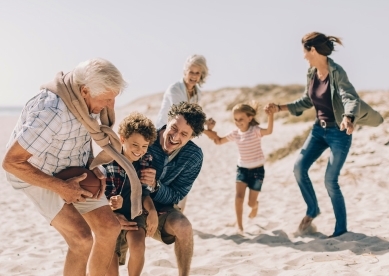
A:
(338, 109)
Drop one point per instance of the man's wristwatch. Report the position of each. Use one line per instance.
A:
(157, 185)
(153, 189)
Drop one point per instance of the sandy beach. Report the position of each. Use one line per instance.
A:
(28, 246)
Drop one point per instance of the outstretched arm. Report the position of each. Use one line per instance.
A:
(269, 129)
(216, 138)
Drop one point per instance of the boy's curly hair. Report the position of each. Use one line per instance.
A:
(192, 113)
(138, 123)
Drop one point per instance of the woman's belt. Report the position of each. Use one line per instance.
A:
(325, 124)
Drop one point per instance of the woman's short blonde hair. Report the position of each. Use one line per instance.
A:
(99, 76)
(200, 61)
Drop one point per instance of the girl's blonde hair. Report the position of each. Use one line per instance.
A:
(250, 109)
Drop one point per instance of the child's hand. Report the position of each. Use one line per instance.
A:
(271, 108)
(116, 202)
(152, 223)
(210, 123)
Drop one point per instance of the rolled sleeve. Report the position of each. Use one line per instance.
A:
(38, 130)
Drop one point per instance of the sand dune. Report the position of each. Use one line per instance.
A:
(30, 247)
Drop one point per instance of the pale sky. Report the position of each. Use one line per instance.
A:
(245, 42)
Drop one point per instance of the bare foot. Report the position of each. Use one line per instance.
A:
(231, 224)
(240, 232)
(254, 211)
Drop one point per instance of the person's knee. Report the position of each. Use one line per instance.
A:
(136, 242)
(252, 203)
(332, 185)
(137, 247)
(110, 229)
(80, 240)
(299, 171)
(239, 197)
(180, 225)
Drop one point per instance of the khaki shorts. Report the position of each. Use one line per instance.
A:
(121, 242)
(48, 203)
(160, 234)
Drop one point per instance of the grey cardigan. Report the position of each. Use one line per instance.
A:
(345, 100)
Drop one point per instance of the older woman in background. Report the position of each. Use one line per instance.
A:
(185, 90)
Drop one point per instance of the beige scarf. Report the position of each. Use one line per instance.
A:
(103, 134)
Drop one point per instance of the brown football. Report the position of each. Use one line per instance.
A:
(91, 183)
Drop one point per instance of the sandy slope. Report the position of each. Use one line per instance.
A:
(29, 247)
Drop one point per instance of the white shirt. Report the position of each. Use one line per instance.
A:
(175, 94)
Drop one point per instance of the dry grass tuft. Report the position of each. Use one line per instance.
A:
(385, 114)
(307, 116)
(291, 147)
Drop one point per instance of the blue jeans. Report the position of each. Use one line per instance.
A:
(319, 140)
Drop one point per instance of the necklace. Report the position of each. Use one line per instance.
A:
(193, 93)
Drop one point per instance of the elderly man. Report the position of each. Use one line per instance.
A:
(53, 133)
(176, 164)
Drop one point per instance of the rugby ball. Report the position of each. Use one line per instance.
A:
(91, 183)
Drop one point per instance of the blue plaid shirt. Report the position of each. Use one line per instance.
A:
(177, 176)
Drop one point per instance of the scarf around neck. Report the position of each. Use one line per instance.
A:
(103, 135)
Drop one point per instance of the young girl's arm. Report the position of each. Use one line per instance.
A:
(218, 140)
(269, 129)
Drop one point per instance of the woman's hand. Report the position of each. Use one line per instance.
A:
(152, 223)
(116, 202)
(347, 125)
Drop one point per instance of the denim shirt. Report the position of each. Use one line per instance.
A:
(345, 100)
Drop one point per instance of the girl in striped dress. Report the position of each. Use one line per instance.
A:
(250, 169)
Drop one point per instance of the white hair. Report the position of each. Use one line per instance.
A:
(99, 76)
(200, 61)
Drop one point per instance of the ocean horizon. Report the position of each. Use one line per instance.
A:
(10, 110)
